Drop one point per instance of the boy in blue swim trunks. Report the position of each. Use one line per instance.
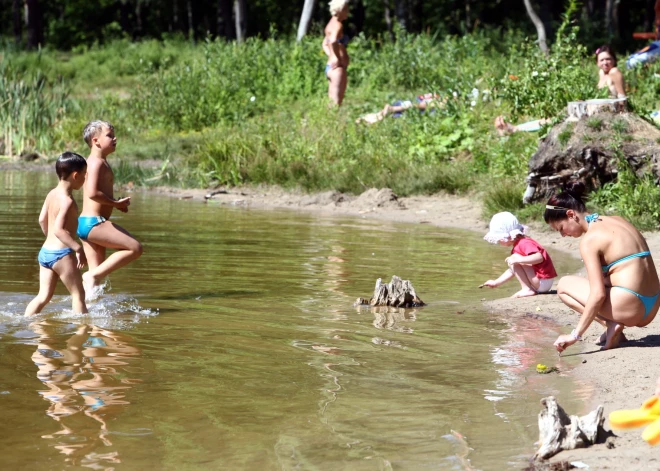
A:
(94, 226)
(61, 255)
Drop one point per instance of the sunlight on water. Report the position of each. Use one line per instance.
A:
(233, 343)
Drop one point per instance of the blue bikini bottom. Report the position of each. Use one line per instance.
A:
(648, 301)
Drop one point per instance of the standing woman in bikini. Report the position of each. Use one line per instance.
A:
(622, 287)
(334, 45)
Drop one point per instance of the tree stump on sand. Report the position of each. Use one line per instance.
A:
(589, 150)
(558, 431)
(396, 293)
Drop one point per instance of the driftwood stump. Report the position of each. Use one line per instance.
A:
(558, 431)
(589, 150)
(396, 293)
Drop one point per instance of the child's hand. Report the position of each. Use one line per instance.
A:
(82, 259)
(513, 259)
(123, 204)
(491, 284)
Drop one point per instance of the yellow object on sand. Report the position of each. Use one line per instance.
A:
(648, 414)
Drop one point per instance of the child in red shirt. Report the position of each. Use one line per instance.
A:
(529, 262)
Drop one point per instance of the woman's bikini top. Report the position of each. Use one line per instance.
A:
(606, 268)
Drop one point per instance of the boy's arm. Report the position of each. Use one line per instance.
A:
(94, 193)
(60, 226)
(43, 218)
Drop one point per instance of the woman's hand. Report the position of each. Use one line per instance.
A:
(491, 284)
(563, 342)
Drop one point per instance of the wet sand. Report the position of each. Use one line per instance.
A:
(623, 378)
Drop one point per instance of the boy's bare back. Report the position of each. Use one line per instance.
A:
(59, 204)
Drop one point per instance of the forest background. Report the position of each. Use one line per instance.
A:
(219, 92)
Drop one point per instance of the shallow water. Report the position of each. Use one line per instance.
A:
(233, 344)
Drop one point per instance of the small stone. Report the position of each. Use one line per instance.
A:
(584, 361)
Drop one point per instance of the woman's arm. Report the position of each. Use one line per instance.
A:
(590, 250)
(618, 82)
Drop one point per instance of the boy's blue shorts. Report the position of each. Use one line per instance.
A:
(86, 223)
(49, 257)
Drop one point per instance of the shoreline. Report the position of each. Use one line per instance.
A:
(606, 370)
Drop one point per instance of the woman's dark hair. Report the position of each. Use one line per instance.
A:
(569, 198)
(609, 50)
(69, 162)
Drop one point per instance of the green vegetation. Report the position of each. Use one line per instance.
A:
(221, 113)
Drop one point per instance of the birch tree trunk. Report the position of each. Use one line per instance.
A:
(239, 16)
(538, 24)
(401, 12)
(35, 29)
(609, 10)
(388, 19)
(305, 19)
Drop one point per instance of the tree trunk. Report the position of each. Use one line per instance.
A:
(239, 15)
(305, 19)
(137, 32)
(18, 21)
(388, 19)
(124, 21)
(468, 16)
(225, 23)
(35, 29)
(401, 12)
(609, 11)
(191, 28)
(540, 29)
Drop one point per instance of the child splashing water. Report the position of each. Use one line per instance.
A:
(529, 262)
(94, 227)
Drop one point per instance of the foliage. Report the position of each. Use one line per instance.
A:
(30, 109)
(634, 198)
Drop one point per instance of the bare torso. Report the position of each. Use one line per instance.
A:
(614, 238)
(334, 32)
(99, 178)
(55, 200)
(614, 82)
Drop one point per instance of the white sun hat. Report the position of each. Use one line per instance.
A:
(504, 226)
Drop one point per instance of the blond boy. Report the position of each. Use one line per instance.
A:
(94, 227)
(61, 256)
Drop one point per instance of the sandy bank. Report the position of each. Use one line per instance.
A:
(623, 378)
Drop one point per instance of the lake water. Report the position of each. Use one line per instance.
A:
(233, 344)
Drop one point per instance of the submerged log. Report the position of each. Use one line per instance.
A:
(558, 431)
(589, 150)
(396, 293)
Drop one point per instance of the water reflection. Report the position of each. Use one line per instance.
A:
(86, 386)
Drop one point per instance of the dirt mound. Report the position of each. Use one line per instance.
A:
(374, 198)
(589, 150)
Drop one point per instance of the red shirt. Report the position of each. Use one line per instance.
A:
(526, 246)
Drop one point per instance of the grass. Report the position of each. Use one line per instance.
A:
(222, 113)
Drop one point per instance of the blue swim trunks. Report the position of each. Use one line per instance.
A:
(47, 257)
(86, 223)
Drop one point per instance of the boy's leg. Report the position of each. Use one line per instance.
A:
(47, 283)
(68, 271)
(112, 236)
(94, 253)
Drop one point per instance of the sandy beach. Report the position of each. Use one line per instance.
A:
(622, 378)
